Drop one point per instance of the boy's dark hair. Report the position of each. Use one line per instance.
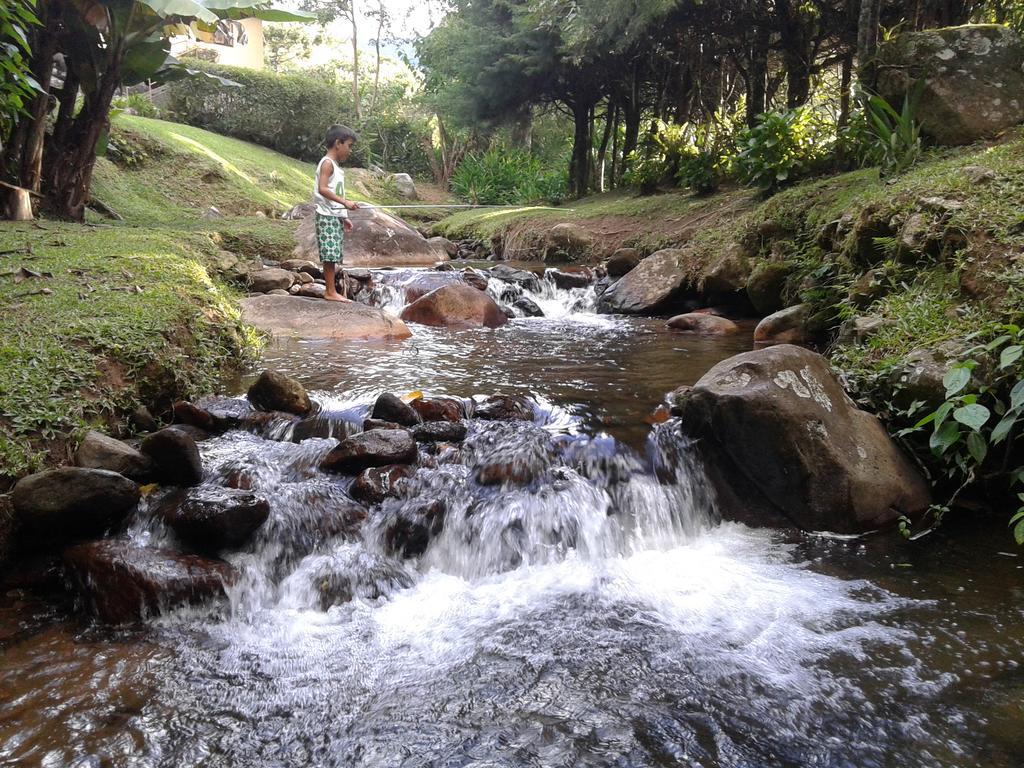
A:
(338, 133)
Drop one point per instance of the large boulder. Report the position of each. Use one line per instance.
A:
(423, 283)
(703, 324)
(973, 79)
(444, 245)
(456, 306)
(120, 581)
(72, 501)
(175, 455)
(377, 239)
(99, 451)
(274, 391)
(567, 242)
(210, 518)
(522, 278)
(766, 286)
(782, 442)
(376, 448)
(651, 287)
(405, 185)
(315, 319)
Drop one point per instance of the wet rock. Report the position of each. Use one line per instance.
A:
(781, 441)
(198, 435)
(455, 306)
(651, 287)
(297, 316)
(410, 533)
(322, 425)
(355, 573)
(271, 279)
(507, 473)
(369, 424)
(569, 280)
(475, 278)
(787, 326)
(274, 391)
(376, 448)
(68, 502)
(703, 324)
(439, 408)
(375, 484)
(175, 456)
(504, 408)
(98, 451)
(211, 519)
(528, 281)
(528, 307)
(121, 582)
(766, 286)
(440, 432)
(973, 78)
(391, 408)
(188, 413)
(143, 420)
(622, 261)
(425, 282)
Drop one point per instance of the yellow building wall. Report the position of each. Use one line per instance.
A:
(249, 55)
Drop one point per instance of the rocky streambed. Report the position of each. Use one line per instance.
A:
(491, 545)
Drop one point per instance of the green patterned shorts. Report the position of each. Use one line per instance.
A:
(330, 238)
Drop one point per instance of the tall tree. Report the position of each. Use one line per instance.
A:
(327, 11)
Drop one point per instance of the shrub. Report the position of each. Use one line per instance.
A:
(782, 147)
(693, 156)
(138, 104)
(503, 176)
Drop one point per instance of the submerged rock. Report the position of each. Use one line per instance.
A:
(175, 456)
(211, 518)
(520, 278)
(703, 324)
(528, 307)
(782, 441)
(376, 448)
(455, 305)
(375, 484)
(352, 573)
(72, 501)
(410, 532)
(504, 408)
(120, 581)
(274, 391)
(98, 451)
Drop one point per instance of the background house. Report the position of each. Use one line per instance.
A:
(236, 43)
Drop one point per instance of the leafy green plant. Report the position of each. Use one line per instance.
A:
(781, 147)
(893, 140)
(974, 431)
(136, 103)
(17, 85)
(503, 176)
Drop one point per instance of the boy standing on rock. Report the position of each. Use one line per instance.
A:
(331, 206)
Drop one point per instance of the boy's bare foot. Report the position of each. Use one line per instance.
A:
(336, 297)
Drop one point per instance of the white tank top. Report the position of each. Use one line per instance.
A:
(336, 183)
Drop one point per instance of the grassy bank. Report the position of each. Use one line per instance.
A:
(131, 311)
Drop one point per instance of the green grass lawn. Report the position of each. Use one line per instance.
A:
(130, 311)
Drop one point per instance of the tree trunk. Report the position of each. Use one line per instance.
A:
(757, 76)
(522, 131)
(376, 68)
(613, 171)
(845, 78)
(602, 152)
(44, 49)
(867, 41)
(579, 170)
(355, 65)
(67, 97)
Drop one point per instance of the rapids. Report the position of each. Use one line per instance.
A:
(596, 614)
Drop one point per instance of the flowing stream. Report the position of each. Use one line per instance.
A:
(598, 615)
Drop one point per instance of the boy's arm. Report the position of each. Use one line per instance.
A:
(324, 188)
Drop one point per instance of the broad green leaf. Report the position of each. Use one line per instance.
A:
(942, 413)
(977, 447)
(973, 416)
(943, 437)
(183, 8)
(1018, 533)
(1017, 394)
(1010, 355)
(998, 342)
(1002, 429)
(955, 380)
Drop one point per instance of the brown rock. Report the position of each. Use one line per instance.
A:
(455, 306)
(439, 408)
(63, 503)
(787, 326)
(504, 408)
(211, 519)
(375, 484)
(274, 391)
(376, 448)
(651, 287)
(98, 451)
(622, 261)
(390, 407)
(781, 441)
(703, 324)
(120, 581)
(295, 316)
(440, 432)
(270, 279)
(175, 456)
